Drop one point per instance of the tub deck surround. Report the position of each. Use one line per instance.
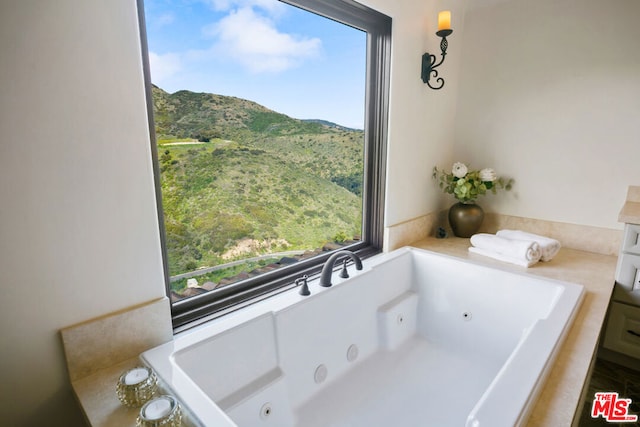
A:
(582, 237)
(97, 396)
(98, 351)
(411, 339)
(558, 399)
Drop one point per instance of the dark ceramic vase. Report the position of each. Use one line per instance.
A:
(465, 219)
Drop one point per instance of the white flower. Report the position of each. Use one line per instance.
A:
(488, 175)
(459, 170)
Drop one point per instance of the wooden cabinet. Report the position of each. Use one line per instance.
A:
(622, 332)
(627, 288)
(623, 329)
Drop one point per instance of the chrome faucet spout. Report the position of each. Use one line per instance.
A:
(327, 270)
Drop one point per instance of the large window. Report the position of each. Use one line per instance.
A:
(268, 131)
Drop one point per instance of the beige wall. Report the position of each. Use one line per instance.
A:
(78, 227)
(546, 93)
(550, 95)
(421, 119)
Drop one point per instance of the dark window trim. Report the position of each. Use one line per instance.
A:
(197, 309)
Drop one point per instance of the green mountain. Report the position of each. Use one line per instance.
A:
(240, 180)
(207, 116)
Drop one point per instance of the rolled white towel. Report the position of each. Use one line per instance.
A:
(520, 252)
(548, 247)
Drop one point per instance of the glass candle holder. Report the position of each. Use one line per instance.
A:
(136, 386)
(163, 411)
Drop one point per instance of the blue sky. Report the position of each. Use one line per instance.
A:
(286, 59)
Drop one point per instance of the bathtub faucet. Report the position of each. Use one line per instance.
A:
(327, 270)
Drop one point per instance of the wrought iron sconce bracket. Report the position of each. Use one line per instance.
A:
(429, 64)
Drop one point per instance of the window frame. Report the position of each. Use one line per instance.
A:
(198, 309)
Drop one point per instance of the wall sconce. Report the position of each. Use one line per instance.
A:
(429, 61)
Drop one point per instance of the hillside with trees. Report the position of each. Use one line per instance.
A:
(240, 180)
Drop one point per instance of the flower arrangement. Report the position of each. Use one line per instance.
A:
(466, 186)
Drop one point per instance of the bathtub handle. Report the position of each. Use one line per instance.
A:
(304, 290)
(344, 273)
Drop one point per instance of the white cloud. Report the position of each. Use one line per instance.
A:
(274, 7)
(255, 42)
(164, 66)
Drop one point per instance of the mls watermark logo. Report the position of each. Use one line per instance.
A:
(612, 408)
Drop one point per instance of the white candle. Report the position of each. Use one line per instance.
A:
(157, 408)
(444, 20)
(136, 376)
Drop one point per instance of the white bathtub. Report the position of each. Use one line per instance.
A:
(415, 339)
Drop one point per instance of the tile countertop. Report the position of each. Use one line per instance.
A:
(97, 396)
(560, 398)
(630, 213)
(98, 399)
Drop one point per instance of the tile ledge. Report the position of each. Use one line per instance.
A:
(98, 343)
(630, 213)
(96, 394)
(633, 193)
(586, 238)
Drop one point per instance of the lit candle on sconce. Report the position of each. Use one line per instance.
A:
(429, 64)
(444, 20)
